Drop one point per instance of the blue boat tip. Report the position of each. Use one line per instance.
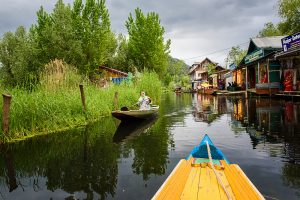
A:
(200, 151)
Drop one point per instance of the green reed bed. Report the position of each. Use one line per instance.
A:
(47, 110)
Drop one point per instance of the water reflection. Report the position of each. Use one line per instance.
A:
(69, 162)
(113, 160)
(273, 127)
(129, 129)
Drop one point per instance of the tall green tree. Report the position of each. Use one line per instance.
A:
(289, 11)
(55, 37)
(211, 68)
(120, 59)
(235, 55)
(92, 27)
(269, 30)
(81, 35)
(176, 70)
(146, 46)
(17, 56)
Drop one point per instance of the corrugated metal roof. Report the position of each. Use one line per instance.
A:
(268, 42)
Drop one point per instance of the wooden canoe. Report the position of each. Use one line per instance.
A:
(199, 177)
(135, 114)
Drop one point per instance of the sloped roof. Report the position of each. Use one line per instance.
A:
(197, 64)
(268, 42)
(113, 70)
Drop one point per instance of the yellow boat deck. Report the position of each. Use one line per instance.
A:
(190, 181)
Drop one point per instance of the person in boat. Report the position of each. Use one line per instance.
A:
(144, 102)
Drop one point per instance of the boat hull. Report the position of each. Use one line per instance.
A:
(135, 114)
(201, 177)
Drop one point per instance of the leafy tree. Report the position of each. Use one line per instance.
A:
(289, 11)
(80, 35)
(146, 46)
(177, 68)
(211, 68)
(54, 35)
(269, 30)
(185, 81)
(120, 59)
(235, 55)
(92, 27)
(17, 56)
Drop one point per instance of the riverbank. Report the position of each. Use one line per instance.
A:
(44, 111)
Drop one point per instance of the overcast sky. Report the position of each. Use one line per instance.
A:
(195, 27)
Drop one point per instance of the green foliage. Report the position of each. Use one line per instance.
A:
(289, 11)
(54, 36)
(235, 55)
(150, 83)
(269, 30)
(176, 70)
(80, 36)
(120, 59)
(56, 103)
(211, 68)
(146, 46)
(58, 74)
(185, 82)
(92, 27)
(16, 57)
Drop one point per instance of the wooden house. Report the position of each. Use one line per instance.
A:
(218, 77)
(199, 72)
(259, 71)
(114, 75)
(289, 58)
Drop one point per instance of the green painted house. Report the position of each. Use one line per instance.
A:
(261, 71)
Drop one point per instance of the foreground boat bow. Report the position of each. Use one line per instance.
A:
(207, 174)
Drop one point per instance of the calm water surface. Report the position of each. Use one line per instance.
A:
(109, 160)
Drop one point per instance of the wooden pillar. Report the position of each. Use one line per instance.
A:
(82, 97)
(268, 76)
(258, 73)
(6, 108)
(116, 101)
(246, 95)
(268, 70)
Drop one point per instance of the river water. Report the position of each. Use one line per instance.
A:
(109, 160)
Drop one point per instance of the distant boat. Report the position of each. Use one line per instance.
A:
(207, 174)
(124, 115)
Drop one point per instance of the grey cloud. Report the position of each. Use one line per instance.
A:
(194, 26)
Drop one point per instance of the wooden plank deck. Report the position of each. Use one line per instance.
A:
(200, 182)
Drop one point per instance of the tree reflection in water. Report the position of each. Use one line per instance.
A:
(151, 149)
(277, 124)
(84, 160)
(87, 163)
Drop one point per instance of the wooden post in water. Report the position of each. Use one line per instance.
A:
(5, 115)
(116, 101)
(82, 97)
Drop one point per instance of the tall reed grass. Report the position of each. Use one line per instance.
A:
(55, 104)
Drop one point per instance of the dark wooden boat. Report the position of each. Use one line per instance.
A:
(135, 114)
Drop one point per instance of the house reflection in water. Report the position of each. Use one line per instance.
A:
(208, 108)
(271, 121)
(265, 120)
